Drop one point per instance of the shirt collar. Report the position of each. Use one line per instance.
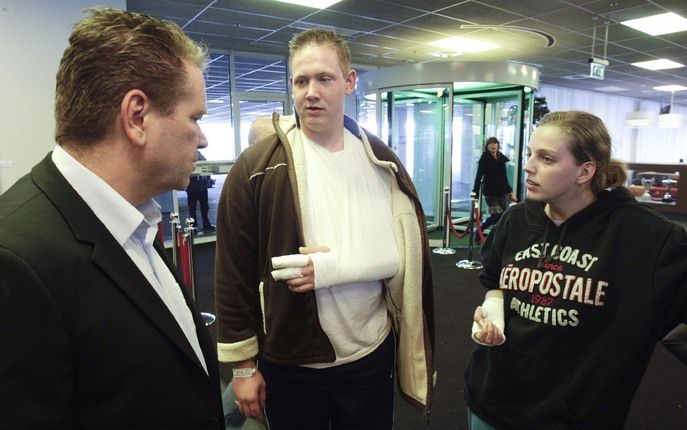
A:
(119, 216)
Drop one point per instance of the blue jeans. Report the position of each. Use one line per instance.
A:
(476, 423)
(352, 396)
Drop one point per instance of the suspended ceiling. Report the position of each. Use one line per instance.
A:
(556, 36)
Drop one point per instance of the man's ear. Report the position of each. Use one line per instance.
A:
(133, 109)
(586, 172)
(351, 79)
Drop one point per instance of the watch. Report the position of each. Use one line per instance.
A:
(244, 372)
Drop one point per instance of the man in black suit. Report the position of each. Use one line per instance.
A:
(96, 330)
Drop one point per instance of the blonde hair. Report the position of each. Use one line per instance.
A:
(322, 37)
(111, 52)
(588, 140)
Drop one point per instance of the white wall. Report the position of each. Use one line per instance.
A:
(643, 145)
(33, 35)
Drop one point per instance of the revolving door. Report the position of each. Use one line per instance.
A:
(438, 130)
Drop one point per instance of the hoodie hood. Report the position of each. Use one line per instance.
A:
(596, 213)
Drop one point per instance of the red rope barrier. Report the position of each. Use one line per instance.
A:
(161, 232)
(184, 258)
(458, 235)
(469, 228)
(480, 233)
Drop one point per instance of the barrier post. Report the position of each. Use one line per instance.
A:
(174, 222)
(470, 264)
(189, 232)
(445, 248)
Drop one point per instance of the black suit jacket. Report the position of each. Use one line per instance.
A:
(85, 341)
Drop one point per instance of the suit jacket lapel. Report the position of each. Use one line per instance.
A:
(108, 255)
(204, 339)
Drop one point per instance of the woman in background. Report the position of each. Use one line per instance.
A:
(583, 282)
(497, 191)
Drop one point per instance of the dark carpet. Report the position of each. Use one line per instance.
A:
(660, 403)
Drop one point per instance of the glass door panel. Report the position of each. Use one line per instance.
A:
(249, 110)
(367, 113)
(468, 123)
(439, 134)
(417, 136)
(501, 119)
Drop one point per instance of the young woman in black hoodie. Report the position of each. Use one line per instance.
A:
(491, 169)
(583, 281)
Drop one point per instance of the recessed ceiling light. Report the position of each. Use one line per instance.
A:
(463, 45)
(576, 77)
(610, 89)
(655, 25)
(670, 88)
(318, 4)
(658, 64)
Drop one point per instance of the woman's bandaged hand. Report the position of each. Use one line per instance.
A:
(488, 325)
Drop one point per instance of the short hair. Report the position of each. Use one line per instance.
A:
(322, 37)
(589, 140)
(111, 52)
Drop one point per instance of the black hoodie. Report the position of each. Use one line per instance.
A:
(585, 303)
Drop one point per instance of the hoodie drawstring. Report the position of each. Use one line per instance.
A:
(545, 258)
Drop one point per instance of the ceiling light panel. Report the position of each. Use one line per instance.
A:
(656, 25)
(660, 64)
(464, 45)
(317, 4)
(670, 88)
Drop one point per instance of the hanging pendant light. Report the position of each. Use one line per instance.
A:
(640, 119)
(669, 120)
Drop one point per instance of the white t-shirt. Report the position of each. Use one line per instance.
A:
(348, 208)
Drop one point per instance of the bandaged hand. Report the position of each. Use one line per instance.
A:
(488, 322)
(297, 270)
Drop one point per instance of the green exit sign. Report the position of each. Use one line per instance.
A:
(596, 70)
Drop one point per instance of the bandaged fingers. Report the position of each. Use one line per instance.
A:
(294, 266)
(289, 266)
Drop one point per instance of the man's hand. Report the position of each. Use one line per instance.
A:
(250, 394)
(307, 280)
(297, 270)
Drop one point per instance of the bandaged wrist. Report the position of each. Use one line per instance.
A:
(324, 265)
(492, 310)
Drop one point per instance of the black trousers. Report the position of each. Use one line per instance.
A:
(195, 197)
(353, 396)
